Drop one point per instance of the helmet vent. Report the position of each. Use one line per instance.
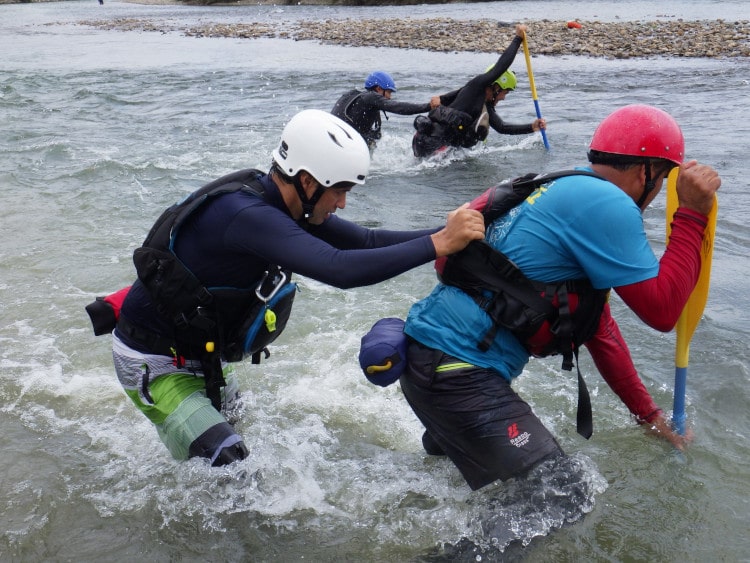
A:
(345, 132)
(334, 139)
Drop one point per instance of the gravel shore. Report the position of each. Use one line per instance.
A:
(618, 40)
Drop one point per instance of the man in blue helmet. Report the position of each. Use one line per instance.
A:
(463, 117)
(362, 110)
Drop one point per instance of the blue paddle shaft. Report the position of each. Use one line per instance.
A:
(680, 386)
(539, 115)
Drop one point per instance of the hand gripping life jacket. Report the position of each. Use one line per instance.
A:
(547, 317)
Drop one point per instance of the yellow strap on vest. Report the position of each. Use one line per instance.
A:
(453, 366)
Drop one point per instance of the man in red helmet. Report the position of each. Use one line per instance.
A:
(577, 236)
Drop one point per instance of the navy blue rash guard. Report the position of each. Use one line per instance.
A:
(231, 240)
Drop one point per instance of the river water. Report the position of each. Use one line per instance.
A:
(101, 130)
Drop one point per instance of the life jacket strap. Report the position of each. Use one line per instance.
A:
(255, 358)
(213, 376)
(151, 341)
(584, 416)
(565, 326)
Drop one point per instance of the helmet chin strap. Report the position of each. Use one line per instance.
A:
(308, 204)
(648, 186)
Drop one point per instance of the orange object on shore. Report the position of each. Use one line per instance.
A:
(574, 25)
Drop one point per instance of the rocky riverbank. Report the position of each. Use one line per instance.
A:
(619, 40)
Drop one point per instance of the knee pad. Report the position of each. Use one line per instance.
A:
(220, 444)
(230, 454)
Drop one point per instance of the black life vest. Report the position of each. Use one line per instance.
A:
(368, 123)
(547, 317)
(454, 125)
(238, 322)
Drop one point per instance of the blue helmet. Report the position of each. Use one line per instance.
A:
(380, 78)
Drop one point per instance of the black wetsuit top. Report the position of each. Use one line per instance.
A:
(362, 111)
(470, 99)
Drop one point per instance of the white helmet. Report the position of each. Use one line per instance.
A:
(323, 145)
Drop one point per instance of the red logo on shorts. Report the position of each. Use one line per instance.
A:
(516, 437)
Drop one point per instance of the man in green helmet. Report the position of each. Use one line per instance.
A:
(463, 117)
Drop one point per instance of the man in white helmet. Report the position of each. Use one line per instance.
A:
(214, 276)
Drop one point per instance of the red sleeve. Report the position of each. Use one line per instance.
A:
(612, 358)
(659, 301)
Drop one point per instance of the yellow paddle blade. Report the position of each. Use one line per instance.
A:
(527, 55)
(693, 311)
(533, 89)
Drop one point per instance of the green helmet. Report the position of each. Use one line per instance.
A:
(507, 80)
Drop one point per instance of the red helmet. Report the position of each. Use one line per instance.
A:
(640, 130)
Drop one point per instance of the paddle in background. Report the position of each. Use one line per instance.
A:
(533, 88)
(691, 314)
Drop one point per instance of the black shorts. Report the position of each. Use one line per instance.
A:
(472, 413)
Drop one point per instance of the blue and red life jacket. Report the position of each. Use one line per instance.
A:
(547, 317)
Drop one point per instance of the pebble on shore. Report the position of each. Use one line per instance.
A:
(617, 40)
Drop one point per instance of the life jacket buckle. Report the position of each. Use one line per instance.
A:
(270, 284)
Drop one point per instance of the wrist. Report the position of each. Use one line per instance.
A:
(692, 215)
(437, 244)
(650, 418)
